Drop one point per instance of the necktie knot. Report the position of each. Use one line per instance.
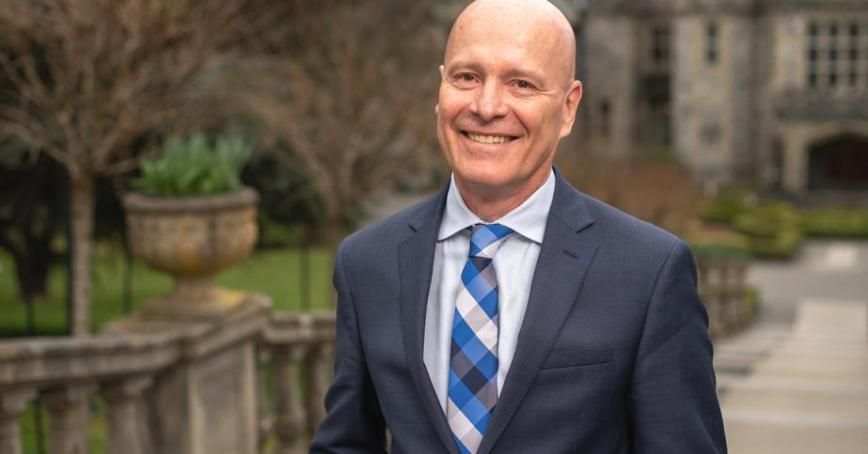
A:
(486, 239)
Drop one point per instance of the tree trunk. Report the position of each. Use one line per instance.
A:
(81, 219)
(32, 267)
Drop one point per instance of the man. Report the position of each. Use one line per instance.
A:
(511, 313)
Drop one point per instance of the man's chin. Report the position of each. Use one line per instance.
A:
(484, 182)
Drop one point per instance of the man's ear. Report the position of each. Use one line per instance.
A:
(437, 106)
(574, 98)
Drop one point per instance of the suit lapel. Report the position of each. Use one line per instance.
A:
(416, 258)
(564, 258)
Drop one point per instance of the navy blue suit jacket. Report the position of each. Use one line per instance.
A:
(613, 355)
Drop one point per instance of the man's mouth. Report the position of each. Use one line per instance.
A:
(488, 138)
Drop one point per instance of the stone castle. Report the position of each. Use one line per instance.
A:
(773, 92)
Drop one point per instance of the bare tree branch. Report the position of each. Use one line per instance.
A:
(353, 99)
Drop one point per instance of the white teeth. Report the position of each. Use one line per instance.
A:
(488, 139)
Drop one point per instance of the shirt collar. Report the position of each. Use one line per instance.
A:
(527, 219)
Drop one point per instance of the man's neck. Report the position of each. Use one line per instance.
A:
(491, 204)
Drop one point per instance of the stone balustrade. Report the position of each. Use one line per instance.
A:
(249, 381)
(295, 350)
(724, 291)
(167, 387)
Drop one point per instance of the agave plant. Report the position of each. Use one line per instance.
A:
(195, 166)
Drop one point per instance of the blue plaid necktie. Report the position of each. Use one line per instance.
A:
(473, 367)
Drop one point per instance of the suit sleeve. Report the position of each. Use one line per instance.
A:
(353, 421)
(673, 399)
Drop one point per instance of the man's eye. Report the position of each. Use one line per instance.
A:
(524, 85)
(465, 78)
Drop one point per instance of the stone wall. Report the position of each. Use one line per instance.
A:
(609, 85)
(714, 100)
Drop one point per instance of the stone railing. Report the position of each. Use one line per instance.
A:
(252, 381)
(723, 288)
(247, 381)
(295, 350)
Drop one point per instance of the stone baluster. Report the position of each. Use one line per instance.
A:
(289, 415)
(69, 410)
(722, 295)
(739, 284)
(12, 404)
(123, 414)
(730, 294)
(265, 418)
(318, 374)
(709, 298)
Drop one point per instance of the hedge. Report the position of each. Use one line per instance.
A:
(835, 223)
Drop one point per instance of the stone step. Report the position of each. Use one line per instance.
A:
(816, 367)
(799, 404)
(857, 388)
(808, 393)
(768, 433)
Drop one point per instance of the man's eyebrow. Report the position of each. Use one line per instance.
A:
(460, 65)
(463, 65)
(524, 74)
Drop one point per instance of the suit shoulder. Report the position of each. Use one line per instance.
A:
(628, 230)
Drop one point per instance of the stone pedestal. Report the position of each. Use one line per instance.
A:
(206, 403)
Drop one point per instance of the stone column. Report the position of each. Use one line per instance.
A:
(795, 165)
(125, 426)
(289, 414)
(12, 404)
(69, 410)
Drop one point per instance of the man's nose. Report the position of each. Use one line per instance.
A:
(488, 103)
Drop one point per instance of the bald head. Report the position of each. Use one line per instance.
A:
(508, 95)
(536, 22)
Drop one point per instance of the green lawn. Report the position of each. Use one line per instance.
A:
(276, 273)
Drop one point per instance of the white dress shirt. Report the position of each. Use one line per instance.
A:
(514, 265)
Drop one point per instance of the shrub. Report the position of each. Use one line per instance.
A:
(195, 167)
(716, 242)
(772, 230)
(838, 223)
(720, 250)
(766, 220)
(728, 204)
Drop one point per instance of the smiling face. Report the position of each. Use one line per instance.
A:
(507, 96)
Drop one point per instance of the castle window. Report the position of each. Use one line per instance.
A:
(710, 134)
(837, 54)
(660, 44)
(853, 55)
(605, 111)
(711, 44)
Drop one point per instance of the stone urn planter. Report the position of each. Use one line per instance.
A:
(193, 239)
